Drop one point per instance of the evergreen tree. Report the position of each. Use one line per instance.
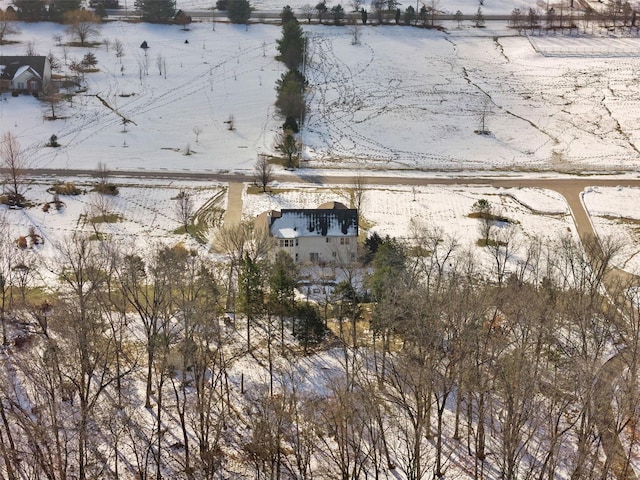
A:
(409, 15)
(251, 291)
(156, 11)
(478, 19)
(30, 10)
(290, 100)
(58, 8)
(423, 15)
(287, 15)
(458, 17)
(292, 44)
(310, 329)
(321, 7)
(338, 14)
(238, 11)
(371, 245)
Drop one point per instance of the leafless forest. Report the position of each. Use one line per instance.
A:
(431, 367)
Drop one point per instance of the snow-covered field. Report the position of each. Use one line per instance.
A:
(404, 98)
(421, 108)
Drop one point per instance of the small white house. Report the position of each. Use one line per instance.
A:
(324, 235)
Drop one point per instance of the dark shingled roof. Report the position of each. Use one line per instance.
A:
(13, 63)
(321, 222)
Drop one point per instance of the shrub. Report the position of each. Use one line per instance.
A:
(22, 243)
(291, 124)
(15, 93)
(106, 188)
(53, 141)
(67, 188)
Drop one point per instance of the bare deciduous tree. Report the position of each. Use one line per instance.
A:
(7, 25)
(263, 173)
(119, 48)
(197, 130)
(14, 161)
(355, 29)
(82, 25)
(184, 209)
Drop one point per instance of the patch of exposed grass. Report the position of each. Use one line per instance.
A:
(107, 218)
(257, 190)
(86, 44)
(622, 220)
(492, 217)
(481, 242)
(67, 188)
(106, 188)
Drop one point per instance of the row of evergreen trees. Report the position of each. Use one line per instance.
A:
(291, 85)
(38, 10)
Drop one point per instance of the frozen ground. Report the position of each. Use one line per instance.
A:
(405, 98)
(145, 214)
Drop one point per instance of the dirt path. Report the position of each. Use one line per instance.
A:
(233, 214)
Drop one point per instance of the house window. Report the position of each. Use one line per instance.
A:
(287, 243)
(327, 239)
(314, 257)
(344, 240)
(334, 254)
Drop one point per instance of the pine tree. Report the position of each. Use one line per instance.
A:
(287, 15)
(239, 11)
(292, 44)
(478, 19)
(310, 328)
(156, 11)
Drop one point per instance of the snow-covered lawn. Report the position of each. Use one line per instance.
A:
(393, 210)
(216, 76)
(142, 214)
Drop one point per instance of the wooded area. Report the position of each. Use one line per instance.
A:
(434, 366)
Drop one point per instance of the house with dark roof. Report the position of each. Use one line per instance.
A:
(323, 235)
(30, 74)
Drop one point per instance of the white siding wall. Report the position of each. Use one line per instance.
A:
(320, 249)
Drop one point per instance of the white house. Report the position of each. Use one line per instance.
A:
(323, 235)
(25, 73)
